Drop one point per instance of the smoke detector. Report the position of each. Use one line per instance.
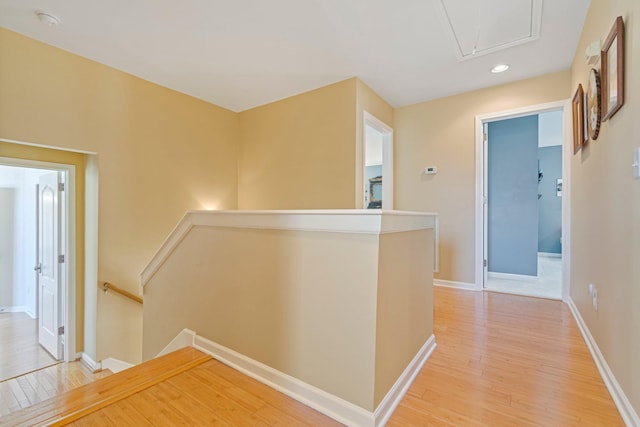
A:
(47, 19)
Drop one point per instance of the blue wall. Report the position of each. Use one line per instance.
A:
(513, 196)
(550, 205)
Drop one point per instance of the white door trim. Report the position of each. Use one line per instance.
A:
(69, 249)
(387, 158)
(480, 120)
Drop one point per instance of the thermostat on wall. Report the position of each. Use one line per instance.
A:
(431, 170)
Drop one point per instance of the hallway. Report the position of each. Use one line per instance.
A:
(20, 352)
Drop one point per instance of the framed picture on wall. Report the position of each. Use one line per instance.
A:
(577, 106)
(594, 100)
(612, 70)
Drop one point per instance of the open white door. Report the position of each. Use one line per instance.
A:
(485, 203)
(49, 277)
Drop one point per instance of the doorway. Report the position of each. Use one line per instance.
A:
(34, 285)
(521, 201)
(378, 164)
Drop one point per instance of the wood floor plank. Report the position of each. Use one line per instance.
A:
(207, 397)
(506, 360)
(501, 360)
(269, 395)
(84, 397)
(124, 413)
(41, 385)
(20, 352)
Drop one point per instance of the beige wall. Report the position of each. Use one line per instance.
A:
(441, 133)
(159, 153)
(303, 303)
(344, 312)
(405, 304)
(605, 209)
(299, 153)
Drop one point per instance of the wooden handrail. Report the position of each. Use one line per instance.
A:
(106, 286)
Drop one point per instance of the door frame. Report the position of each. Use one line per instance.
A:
(387, 159)
(480, 199)
(68, 271)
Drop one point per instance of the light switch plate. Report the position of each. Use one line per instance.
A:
(431, 170)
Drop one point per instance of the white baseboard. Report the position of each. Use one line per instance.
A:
(114, 365)
(396, 393)
(509, 276)
(625, 408)
(90, 363)
(549, 255)
(326, 403)
(186, 338)
(457, 285)
(14, 309)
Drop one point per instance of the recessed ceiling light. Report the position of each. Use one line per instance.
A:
(47, 18)
(500, 68)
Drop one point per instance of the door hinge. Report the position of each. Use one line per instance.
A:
(61, 186)
(60, 330)
(485, 137)
(60, 259)
(484, 263)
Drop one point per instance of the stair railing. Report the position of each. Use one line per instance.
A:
(106, 286)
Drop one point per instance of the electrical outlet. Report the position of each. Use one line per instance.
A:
(591, 288)
(595, 299)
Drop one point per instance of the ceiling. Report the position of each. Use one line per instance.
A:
(240, 54)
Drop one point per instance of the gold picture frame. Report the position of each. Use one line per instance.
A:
(612, 70)
(577, 105)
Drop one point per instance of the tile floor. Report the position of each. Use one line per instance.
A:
(548, 284)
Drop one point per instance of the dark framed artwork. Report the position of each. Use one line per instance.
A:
(577, 106)
(612, 70)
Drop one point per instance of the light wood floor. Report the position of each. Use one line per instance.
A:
(506, 360)
(501, 360)
(19, 349)
(208, 394)
(38, 386)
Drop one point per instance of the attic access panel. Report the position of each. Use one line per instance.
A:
(480, 27)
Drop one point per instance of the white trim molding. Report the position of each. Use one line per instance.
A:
(186, 338)
(90, 363)
(386, 407)
(549, 255)
(326, 403)
(67, 304)
(480, 120)
(114, 365)
(625, 408)
(357, 221)
(509, 276)
(457, 285)
(15, 309)
(387, 157)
